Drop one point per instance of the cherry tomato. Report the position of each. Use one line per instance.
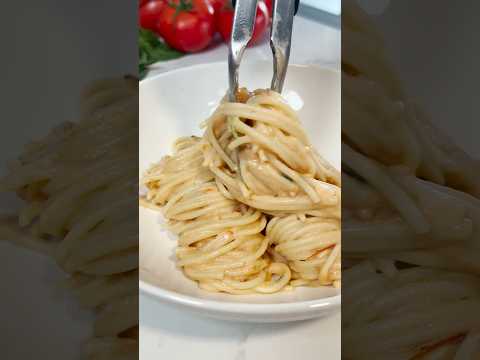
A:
(200, 6)
(269, 5)
(217, 5)
(142, 2)
(224, 23)
(187, 25)
(150, 13)
(262, 19)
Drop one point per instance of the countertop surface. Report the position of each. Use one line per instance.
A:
(167, 333)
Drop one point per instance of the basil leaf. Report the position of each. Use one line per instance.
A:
(152, 50)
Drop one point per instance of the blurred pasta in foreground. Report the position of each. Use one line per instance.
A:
(79, 187)
(411, 217)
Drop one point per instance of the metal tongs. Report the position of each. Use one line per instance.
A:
(280, 39)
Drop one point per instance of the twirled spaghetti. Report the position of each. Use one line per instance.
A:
(411, 217)
(266, 161)
(253, 166)
(78, 184)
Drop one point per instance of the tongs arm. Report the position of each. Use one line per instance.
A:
(280, 39)
(242, 31)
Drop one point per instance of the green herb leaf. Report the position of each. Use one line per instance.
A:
(142, 70)
(152, 50)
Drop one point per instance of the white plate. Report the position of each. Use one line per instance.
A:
(172, 105)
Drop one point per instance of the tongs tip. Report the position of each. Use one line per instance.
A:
(280, 39)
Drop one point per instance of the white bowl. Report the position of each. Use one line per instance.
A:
(172, 105)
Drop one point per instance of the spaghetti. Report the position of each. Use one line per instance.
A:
(253, 167)
(411, 217)
(78, 184)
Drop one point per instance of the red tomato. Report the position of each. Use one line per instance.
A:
(150, 13)
(218, 5)
(187, 25)
(262, 20)
(200, 6)
(269, 5)
(142, 2)
(224, 23)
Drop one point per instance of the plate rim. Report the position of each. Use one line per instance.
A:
(147, 79)
(232, 307)
(220, 306)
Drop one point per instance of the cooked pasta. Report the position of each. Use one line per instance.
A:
(78, 184)
(254, 166)
(260, 153)
(411, 217)
(414, 313)
(310, 245)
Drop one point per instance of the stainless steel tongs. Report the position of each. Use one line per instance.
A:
(280, 39)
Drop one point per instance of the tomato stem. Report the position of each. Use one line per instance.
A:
(181, 5)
